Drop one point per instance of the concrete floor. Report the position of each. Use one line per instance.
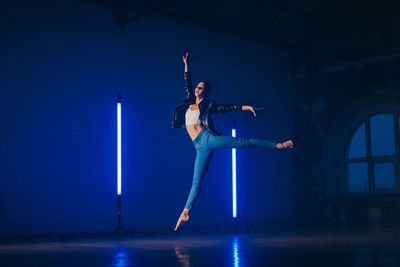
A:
(358, 249)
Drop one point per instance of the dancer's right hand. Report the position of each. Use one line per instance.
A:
(186, 58)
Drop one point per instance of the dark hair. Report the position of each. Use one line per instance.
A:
(207, 89)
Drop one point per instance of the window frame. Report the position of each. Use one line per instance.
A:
(372, 160)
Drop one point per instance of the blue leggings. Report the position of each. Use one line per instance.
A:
(205, 144)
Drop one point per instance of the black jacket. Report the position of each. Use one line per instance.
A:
(206, 107)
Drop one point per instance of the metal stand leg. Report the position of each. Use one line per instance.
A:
(119, 230)
(240, 220)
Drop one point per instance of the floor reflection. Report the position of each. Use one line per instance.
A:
(121, 258)
(362, 249)
(183, 256)
(235, 251)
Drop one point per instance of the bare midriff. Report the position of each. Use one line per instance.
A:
(194, 129)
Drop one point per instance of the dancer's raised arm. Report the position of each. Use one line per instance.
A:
(185, 59)
(188, 77)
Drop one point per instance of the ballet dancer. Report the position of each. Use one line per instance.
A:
(194, 115)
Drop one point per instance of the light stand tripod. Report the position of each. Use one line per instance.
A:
(120, 230)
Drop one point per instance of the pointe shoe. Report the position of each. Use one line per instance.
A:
(183, 218)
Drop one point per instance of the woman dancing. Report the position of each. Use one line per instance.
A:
(194, 115)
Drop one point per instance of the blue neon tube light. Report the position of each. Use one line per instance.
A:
(119, 148)
(234, 177)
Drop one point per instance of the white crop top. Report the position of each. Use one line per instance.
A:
(192, 117)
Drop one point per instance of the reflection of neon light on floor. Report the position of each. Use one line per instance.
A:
(234, 177)
(121, 259)
(235, 252)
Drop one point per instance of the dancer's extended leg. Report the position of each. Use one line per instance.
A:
(227, 141)
(203, 158)
(201, 164)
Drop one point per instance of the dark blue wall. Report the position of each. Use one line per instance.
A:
(61, 68)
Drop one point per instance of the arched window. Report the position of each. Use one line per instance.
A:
(372, 156)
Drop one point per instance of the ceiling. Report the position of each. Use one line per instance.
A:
(315, 33)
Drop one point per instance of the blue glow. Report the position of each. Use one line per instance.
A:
(119, 148)
(121, 259)
(235, 252)
(234, 177)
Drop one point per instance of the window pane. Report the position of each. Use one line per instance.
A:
(382, 135)
(357, 147)
(384, 175)
(357, 177)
